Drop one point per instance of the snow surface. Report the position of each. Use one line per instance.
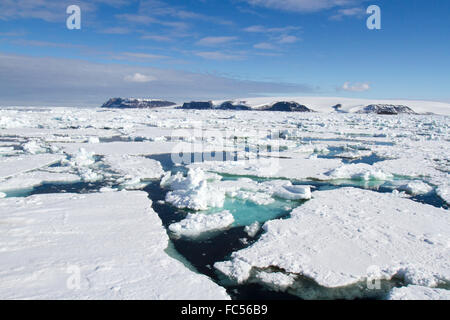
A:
(412, 292)
(35, 178)
(115, 240)
(253, 229)
(14, 165)
(201, 191)
(405, 153)
(134, 170)
(337, 236)
(196, 224)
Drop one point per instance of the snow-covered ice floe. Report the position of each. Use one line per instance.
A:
(200, 190)
(413, 292)
(336, 240)
(32, 179)
(93, 246)
(135, 171)
(195, 224)
(14, 165)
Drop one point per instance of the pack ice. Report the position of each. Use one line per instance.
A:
(340, 236)
(94, 246)
(327, 248)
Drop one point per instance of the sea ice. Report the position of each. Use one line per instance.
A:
(195, 224)
(360, 171)
(253, 229)
(193, 191)
(34, 178)
(91, 246)
(413, 292)
(416, 187)
(10, 166)
(135, 167)
(294, 192)
(444, 192)
(33, 147)
(335, 238)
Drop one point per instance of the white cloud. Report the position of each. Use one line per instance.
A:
(157, 38)
(50, 10)
(348, 12)
(264, 46)
(73, 82)
(301, 5)
(139, 55)
(212, 41)
(139, 78)
(217, 55)
(288, 39)
(116, 30)
(262, 29)
(356, 87)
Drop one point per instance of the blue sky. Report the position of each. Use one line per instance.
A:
(222, 49)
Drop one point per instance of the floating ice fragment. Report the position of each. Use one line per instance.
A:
(360, 171)
(252, 229)
(416, 188)
(413, 292)
(336, 237)
(33, 147)
(294, 192)
(198, 223)
(82, 158)
(444, 192)
(94, 140)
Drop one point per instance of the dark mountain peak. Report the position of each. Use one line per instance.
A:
(387, 109)
(198, 105)
(287, 106)
(129, 103)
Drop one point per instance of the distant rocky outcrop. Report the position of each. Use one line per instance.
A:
(232, 105)
(286, 106)
(121, 103)
(337, 107)
(198, 105)
(387, 109)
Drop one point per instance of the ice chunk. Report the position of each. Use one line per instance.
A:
(416, 187)
(335, 239)
(135, 167)
(33, 147)
(82, 158)
(360, 171)
(113, 243)
(252, 229)
(443, 191)
(93, 140)
(199, 197)
(277, 281)
(34, 178)
(413, 292)
(294, 192)
(14, 165)
(193, 191)
(195, 224)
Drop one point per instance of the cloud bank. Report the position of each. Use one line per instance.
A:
(26, 80)
(356, 87)
(301, 5)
